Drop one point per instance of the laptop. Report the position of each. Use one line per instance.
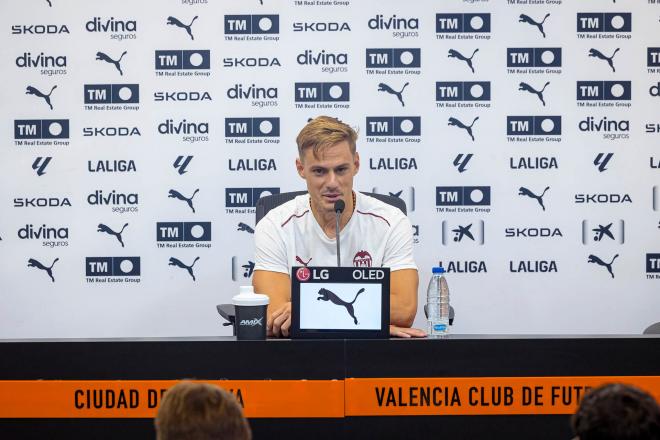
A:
(340, 302)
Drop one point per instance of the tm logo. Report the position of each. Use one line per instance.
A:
(112, 93)
(252, 24)
(604, 22)
(183, 59)
(394, 126)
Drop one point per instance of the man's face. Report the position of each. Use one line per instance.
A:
(330, 176)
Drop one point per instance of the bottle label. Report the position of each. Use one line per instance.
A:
(439, 327)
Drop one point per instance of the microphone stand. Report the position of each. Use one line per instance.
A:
(339, 208)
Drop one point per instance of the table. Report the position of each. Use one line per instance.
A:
(462, 386)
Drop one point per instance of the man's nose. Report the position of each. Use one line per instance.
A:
(332, 179)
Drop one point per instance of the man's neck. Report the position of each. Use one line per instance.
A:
(327, 220)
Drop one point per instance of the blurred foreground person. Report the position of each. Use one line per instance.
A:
(200, 411)
(617, 412)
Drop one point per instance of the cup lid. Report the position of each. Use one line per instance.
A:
(247, 297)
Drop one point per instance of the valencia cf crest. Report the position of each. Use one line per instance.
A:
(362, 259)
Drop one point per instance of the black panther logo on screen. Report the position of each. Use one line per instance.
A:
(327, 295)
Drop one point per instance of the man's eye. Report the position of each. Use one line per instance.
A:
(318, 172)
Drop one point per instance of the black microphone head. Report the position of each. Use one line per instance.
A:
(339, 206)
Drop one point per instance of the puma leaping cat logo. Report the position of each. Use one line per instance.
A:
(522, 191)
(456, 54)
(527, 88)
(598, 261)
(107, 230)
(529, 20)
(598, 54)
(244, 227)
(176, 262)
(301, 261)
(177, 195)
(326, 295)
(176, 22)
(100, 56)
(382, 87)
(456, 123)
(49, 270)
(34, 91)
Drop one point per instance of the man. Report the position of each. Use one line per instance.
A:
(301, 232)
(617, 412)
(200, 411)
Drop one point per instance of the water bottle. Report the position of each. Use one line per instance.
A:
(437, 300)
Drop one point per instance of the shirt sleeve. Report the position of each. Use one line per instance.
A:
(399, 247)
(270, 249)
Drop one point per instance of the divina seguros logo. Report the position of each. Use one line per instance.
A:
(188, 131)
(400, 27)
(47, 65)
(117, 29)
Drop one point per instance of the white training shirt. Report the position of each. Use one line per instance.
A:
(377, 235)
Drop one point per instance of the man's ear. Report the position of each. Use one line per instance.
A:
(300, 168)
(356, 162)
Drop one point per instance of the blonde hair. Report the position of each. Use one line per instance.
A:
(200, 411)
(323, 132)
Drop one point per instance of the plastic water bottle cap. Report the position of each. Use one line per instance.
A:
(438, 269)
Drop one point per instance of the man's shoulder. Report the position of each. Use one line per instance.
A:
(372, 208)
(297, 207)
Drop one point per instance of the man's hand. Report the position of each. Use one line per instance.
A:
(404, 332)
(279, 322)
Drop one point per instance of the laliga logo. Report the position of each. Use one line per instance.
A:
(303, 274)
(252, 322)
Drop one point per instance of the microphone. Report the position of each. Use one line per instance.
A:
(339, 208)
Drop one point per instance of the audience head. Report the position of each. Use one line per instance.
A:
(617, 411)
(200, 411)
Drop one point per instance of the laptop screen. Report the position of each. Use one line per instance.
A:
(340, 302)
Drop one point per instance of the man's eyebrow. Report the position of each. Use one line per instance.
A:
(325, 168)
